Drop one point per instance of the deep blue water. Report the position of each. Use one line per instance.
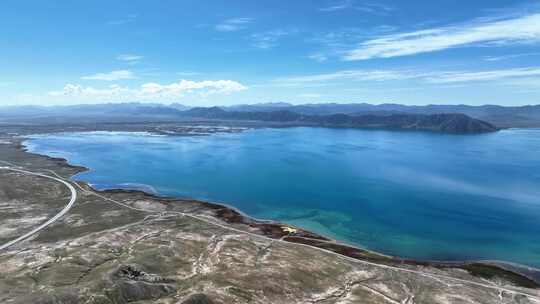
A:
(412, 194)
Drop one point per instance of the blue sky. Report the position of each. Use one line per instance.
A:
(223, 52)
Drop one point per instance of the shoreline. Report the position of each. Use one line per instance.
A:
(521, 275)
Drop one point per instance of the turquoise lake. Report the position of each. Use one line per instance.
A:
(410, 194)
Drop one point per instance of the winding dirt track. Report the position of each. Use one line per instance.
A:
(51, 220)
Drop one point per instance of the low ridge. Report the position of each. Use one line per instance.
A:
(445, 123)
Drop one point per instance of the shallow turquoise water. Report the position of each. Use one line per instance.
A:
(412, 194)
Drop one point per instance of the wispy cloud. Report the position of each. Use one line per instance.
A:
(349, 36)
(439, 77)
(77, 90)
(234, 24)
(375, 8)
(151, 90)
(319, 57)
(364, 6)
(529, 84)
(337, 6)
(512, 56)
(205, 87)
(188, 73)
(336, 42)
(111, 76)
(269, 39)
(129, 58)
(454, 77)
(128, 19)
(310, 96)
(520, 29)
(354, 75)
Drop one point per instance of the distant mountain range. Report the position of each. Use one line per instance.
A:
(395, 116)
(503, 117)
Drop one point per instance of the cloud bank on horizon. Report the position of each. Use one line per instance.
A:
(150, 91)
(418, 52)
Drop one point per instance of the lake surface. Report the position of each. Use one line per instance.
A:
(411, 194)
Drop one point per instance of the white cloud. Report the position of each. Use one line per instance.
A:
(111, 76)
(128, 19)
(337, 6)
(355, 75)
(269, 39)
(339, 41)
(310, 96)
(375, 8)
(319, 57)
(527, 83)
(204, 88)
(454, 77)
(499, 32)
(151, 91)
(188, 73)
(129, 58)
(504, 76)
(512, 56)
(366, 7)
(77, 90)
(234, 24)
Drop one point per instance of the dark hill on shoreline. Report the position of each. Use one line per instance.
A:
(444, 123)
(501, 116)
